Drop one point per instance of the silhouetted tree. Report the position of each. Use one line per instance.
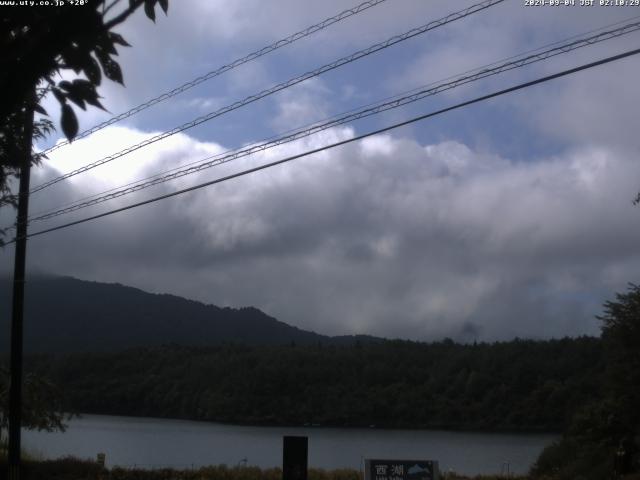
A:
(621, 336)
(36, 45)
(41, 407)
(604, 435)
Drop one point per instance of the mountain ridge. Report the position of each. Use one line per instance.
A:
(66, 314)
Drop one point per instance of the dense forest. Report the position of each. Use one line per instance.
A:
(517, 385)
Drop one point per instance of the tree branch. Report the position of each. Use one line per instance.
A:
(105, 10)
(133, 6)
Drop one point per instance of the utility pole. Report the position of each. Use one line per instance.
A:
(17, 309)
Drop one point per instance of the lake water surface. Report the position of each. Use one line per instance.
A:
(155, 443)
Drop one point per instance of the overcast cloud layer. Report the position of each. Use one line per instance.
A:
(503, 220)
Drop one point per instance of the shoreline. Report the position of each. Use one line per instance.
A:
(176, 443)
(434, 428)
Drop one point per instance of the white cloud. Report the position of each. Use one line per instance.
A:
(302, 104)
(386, 237)
(391, 236)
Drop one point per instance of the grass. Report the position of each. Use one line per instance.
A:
(70, 468)
(74, 469)
(25, 455)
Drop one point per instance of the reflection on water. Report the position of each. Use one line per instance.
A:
(152, 443)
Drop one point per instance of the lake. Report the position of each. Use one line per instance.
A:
(155, 443)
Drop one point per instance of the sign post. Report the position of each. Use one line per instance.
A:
(294, 458)
(17, 306)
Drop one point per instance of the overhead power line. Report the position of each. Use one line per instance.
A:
(225, 68)
(343, 142)
(281, 86)
(352, 116)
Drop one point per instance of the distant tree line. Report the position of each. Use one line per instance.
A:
(516, 385)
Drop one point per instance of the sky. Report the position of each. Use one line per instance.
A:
(508, 218)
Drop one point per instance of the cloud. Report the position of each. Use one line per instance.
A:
(303, 104)
(387, 236)
(593, 109)
(403, 235)
(201, 36)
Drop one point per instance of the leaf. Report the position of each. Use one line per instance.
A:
(73, 92)
(149, 9)
(113, 71)
(59, 95)
(40, 110)
(65, 85)
(77, 99)
(96, 103)
(105, 43)
(73, 58)
(117, 38)
(79, 83)
(69, 122)
(164, 4)
(87, 91)
(92, 71)
(110, 67)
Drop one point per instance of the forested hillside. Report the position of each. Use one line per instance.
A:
(517, 385)
(63, 314)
